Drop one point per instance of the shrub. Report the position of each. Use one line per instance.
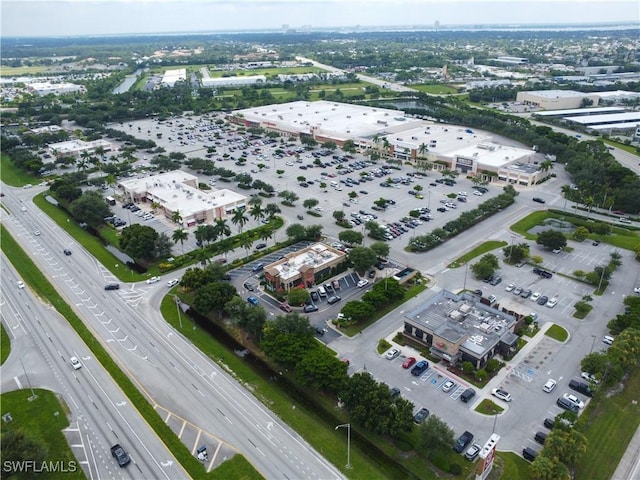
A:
(440, 461)
(455, 469)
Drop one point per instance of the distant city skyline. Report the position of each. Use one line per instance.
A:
(118, 17)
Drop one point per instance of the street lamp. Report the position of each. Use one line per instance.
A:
(348, 427)
(177, 300)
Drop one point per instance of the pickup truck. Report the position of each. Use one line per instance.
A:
(465, 439)
(120, 454)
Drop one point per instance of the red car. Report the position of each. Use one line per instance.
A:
(286, 307)
(408, 363)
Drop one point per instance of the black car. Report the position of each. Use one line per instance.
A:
(495, 280)
(333, 299)
(543, 300)
(260, 246)
(248, 286)
(463, 441)
(421, 416)
(371, 274)
(67, 252)
(120, 455)
(112, 286)
(320, 331)
(314, 296)
(478, 292)
(595, 243)
(538, 199)
(395, 392)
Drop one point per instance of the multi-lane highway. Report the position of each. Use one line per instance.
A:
(179, 380)
(42, 342)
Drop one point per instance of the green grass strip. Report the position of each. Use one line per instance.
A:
(476, 252)
(12, 175)
(5, 344)
(41, 286)
(43, 418)
(557, 332)
(610, 423)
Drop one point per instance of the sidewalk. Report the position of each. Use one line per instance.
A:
(629, 466)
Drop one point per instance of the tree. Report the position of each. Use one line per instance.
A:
(339, 216)
(295, 231)
(313, 232)
(357, 311)
(362, 258)
(516, 253)
(435, 435)
(271, 210)
(280, 173)
(381, 249)
(213, 296)
(162, 246)
(90, 208)
(486, 266)
(138, 241)
(222, 229)
(350, 237)
(245, 241)
(20, 446)
(288, 338)
(257, 212)
(551, 239)
(310, 203)
(320, 369)
(200, 234)
(545, 468)
(176, 217)
(298, 296)
(180, 235)
(239, 219)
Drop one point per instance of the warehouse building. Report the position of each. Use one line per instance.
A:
(177, 191)
(555, 99)
(170, 77)
(218, 82)
(47, 88)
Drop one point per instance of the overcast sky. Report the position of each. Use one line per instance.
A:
(89, 17)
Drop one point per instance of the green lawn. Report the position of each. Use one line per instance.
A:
(476, 252)
(514, 467)
(489, 407)
(557, 332)
(12, 175)
(19, 71)
(435, 89)
(45, 418)
(611, 422)
(5, 344)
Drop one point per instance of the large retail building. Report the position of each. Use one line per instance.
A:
(396, 136)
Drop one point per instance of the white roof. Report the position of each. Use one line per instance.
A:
(492, 154)
(315, 256)
(335, 120)
(558, 93)
(609, 126)
(614, 117)
(571, 111)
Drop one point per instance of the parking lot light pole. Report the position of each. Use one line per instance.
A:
(348, 427)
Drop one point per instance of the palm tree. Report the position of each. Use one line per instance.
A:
(200, 234)
(422, 149)
(245, 241)
(257, 212)
(239, 218)
(155, 206)
(202, 256)
(180, 235)
(222, 229)
(226, 245)
(175, 216)
(83, 161)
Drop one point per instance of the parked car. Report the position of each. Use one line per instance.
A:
(608, 339)
(589, 377)
(463, 441)
(172, 282)
(573, 399)
(472, 452)
(543, 300)
(252, 300)
(310, 308)
(257, 267)
(419, 368)
(581, 387)
(153, 280)
(362, 283)
(421, 416)
(552, 303)
(409, 362)
(333, 299)
(285, 307)
(392, 353)
(538, 200)
(112, 286)
(260, 246)
(501, 394)
(510, 287)
(395, 392)
(247, 286)
(448, 386)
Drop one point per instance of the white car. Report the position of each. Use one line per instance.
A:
(36, 233)
(362, 283)
(448, 385)
(75, 363)
(535, 297)
(552, 303)
(172, 282)
(608, 339)
(289, 164)
(549, 386)
(462, 194)
(478, 193)
(501, 394)
(590, 377)
(20, 284)
(636, 290)
(573, 399)
(510, 287)
(392, 353)
(153, 280)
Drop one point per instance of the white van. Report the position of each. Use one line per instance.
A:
(334, 183)
(321, 291)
